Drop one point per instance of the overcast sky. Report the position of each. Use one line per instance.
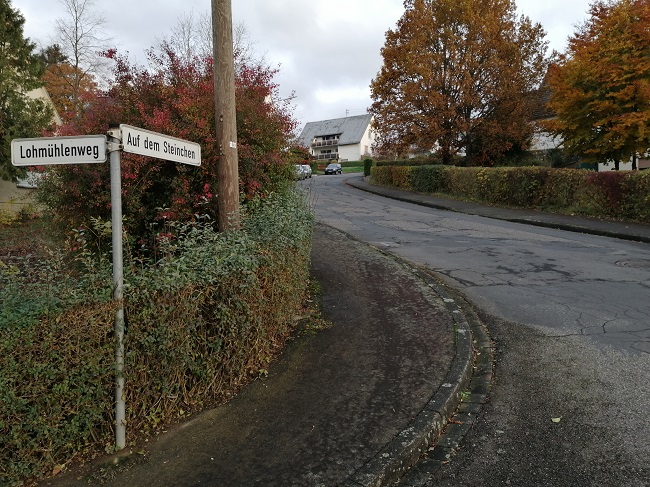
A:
(328, 50)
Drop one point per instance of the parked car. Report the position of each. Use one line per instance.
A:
(300, 172)
(307, 170)
(333, 168)
(30, 181)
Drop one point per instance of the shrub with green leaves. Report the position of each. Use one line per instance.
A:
(396, 176)
(612, 194)
(367, 166)
(202, 319)
(428, 179)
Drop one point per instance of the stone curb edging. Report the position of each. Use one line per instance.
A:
(408, 446)
(466, 416)
(413, 198)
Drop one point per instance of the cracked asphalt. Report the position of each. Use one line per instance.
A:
(561, 385)
(570, 318)
(565, 283)
(599, 399)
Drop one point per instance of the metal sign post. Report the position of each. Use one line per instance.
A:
(114, 148)
(93, 149)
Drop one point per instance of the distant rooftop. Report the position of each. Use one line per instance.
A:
(351, 129)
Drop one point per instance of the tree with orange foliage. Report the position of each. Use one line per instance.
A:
(601, 86)
(173, 95)
(68, 87)
(456, 77)
(80, 39)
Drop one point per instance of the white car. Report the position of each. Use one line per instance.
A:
(300, 172)
(307, 170)
(30, 181)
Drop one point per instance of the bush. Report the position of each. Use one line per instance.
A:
(429, 179)
(407, 162)
(396, 176)
(367, 166)
(560, 190)
(174, 96)
(206, 316)
(612, 194)
(635, 200)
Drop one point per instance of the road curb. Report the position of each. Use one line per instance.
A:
(544, 222)
(474, 397)
(408, 446)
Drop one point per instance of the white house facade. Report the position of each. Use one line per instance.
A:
(342, 139)
(17, 195)
(544, 141)
(42, 94)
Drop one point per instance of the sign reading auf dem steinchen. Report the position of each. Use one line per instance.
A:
(152, 144)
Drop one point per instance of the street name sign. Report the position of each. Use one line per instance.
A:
(147, 143)
(95, 148)
(85, 149)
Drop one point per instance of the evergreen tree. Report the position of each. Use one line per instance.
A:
(20, 72)
(52, 55)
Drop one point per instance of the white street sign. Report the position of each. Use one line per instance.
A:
(94, 148)
(152, 144)
(85, 149)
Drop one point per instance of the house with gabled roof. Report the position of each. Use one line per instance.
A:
(342, 139)
(542, 140)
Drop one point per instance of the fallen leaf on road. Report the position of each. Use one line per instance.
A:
(556, 420)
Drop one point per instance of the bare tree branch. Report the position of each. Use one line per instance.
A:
(82, 37)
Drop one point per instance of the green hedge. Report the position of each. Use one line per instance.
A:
(622, 195)
(367, 166)
(202, 320)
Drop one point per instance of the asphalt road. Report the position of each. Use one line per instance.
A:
(569, 314)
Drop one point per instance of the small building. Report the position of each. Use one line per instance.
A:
(342, 139)
(542, 140)
(42, 94)
(15, 196)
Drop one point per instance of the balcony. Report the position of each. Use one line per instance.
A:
(324, 143)
(320, 157)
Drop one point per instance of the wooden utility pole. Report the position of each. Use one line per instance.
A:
(226, 123)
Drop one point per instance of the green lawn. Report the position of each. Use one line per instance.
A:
(345, 170)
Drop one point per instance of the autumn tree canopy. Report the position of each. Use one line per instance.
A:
(80, 39)
(173, 95)
(456, 78)
(601, 86)
(68, 87)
